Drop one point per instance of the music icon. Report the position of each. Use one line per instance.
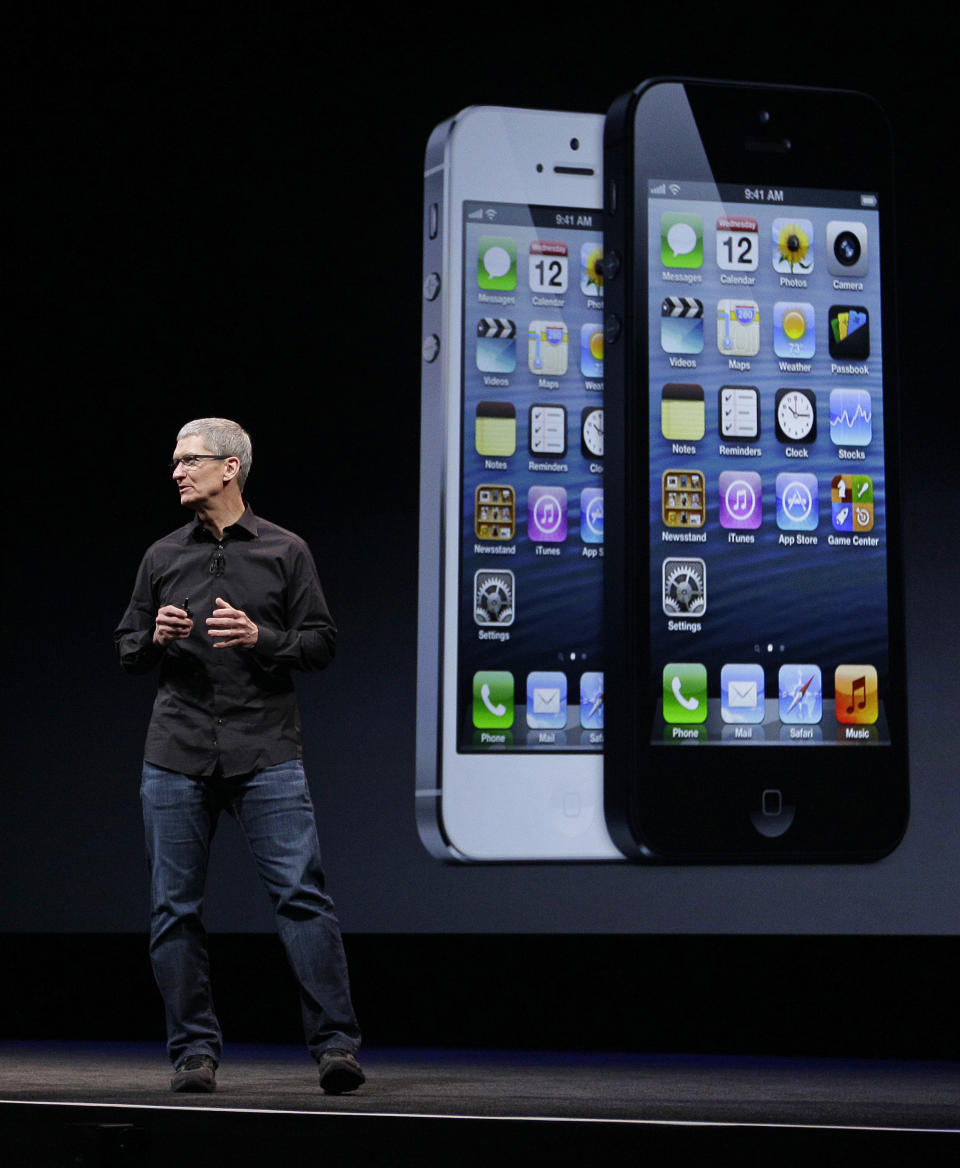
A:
(855, 687)
(740, 499)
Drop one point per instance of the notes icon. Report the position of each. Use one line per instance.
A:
(855, 689)
(496, 428)
(682, 412)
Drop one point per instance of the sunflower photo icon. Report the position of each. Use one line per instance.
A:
(591, 269)
(793, 246)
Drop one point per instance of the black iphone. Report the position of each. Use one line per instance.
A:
(756, 705)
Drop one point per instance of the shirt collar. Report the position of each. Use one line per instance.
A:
(246, 527)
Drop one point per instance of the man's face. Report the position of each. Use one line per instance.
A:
(199, 485)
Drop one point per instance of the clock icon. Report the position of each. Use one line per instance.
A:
(796, 415)
(591, 430)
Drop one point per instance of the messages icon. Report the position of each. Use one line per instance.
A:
(681, 240)
(497, 263)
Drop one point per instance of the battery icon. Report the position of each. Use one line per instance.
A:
(868, 200)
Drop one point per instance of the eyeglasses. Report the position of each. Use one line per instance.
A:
(192, 460)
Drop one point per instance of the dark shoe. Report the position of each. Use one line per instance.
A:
(197, 1072)
(339, 1072)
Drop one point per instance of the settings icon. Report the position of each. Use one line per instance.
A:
(684, 587)
(493, 598)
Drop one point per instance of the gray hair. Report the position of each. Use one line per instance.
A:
(221, 436)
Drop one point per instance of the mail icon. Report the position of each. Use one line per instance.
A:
(546, 700)
(742, 697)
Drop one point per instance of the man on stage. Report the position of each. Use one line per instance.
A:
(228, 606)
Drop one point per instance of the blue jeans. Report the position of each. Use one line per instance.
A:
(274, 808)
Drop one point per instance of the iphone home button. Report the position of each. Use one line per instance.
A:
(773, 816)
(572, 812)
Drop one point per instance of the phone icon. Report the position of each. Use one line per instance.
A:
(497, 710)
(689, 704)
(493, 699)
(685, 692)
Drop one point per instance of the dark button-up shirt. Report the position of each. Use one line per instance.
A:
(234, 707)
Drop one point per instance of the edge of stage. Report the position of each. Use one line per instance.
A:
(559, 1046)
(110, 1103)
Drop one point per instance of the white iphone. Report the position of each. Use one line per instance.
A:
(510, 696)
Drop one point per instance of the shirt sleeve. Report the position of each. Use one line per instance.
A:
(309, 639)
(133, 637)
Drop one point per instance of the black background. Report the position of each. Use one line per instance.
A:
(219, 213)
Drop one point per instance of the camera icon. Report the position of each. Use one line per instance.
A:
(847, 248)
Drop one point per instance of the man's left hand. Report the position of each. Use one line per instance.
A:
(234, 625)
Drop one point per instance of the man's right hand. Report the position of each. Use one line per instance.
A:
(172, 624)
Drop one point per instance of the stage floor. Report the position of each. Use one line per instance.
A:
(101, 1084)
